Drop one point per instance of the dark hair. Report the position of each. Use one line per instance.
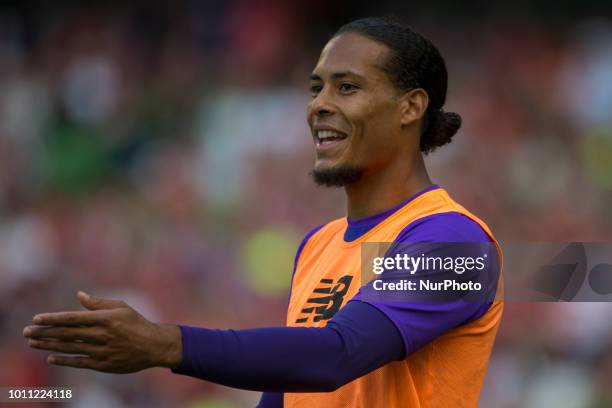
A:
(414, 63)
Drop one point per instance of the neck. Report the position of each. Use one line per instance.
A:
(380, 190)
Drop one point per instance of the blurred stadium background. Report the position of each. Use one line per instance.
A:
(158, 152)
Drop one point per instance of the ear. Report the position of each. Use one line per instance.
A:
(413, 105)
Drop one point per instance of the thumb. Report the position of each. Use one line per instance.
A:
(95, 303)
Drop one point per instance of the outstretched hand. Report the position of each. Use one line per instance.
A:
(109, 336)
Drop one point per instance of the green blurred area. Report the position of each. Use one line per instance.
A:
(268, 257)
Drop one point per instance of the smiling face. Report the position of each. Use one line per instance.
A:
(354, 114)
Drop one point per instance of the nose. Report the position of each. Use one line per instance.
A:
(322, 105)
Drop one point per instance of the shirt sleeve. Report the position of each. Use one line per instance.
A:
(271, 400)
(357, 340)
(421, 314)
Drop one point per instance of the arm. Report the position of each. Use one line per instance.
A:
(358, 340)
(295, 359)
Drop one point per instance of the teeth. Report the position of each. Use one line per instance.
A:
(324, 134)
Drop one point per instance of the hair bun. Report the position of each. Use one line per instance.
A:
(441, 127)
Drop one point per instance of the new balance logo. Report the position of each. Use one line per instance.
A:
(325, 307)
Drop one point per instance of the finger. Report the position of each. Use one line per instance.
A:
(88, 334)
(76, 362)
(95, 303)
(66, 347)
(73, 318)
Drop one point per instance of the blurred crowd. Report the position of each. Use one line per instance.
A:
(160, 155)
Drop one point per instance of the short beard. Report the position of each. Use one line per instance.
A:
(337, 176)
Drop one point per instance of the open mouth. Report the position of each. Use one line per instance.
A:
(328, 138)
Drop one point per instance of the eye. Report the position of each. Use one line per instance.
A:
(347, 88)
(315, 89)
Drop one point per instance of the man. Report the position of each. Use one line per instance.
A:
(377, 96)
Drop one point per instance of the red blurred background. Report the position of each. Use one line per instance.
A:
(159, 153)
